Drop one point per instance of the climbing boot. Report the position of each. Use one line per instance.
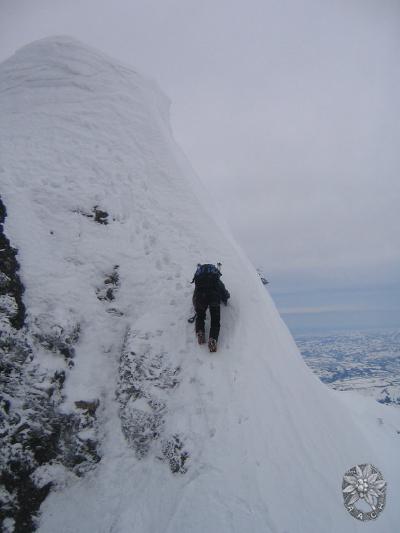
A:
(212, 345)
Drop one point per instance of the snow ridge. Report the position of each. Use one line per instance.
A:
(110, 221)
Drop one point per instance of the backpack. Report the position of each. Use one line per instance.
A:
(206, 277)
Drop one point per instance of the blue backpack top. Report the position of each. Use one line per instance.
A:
(206, 276)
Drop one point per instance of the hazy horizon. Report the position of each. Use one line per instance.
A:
(290, 115)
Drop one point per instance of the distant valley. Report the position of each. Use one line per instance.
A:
(365, 361)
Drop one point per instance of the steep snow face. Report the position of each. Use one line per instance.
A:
(109, 222)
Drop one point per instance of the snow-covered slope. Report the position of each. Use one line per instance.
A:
(150, 432)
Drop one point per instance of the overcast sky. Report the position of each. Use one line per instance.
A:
(288, 110)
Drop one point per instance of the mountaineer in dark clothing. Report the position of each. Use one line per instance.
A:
(209, 292)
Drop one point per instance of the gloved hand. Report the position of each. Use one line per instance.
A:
(225, 301)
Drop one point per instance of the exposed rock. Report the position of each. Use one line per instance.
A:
(174, 452)
(145, 382)
(10, 283)
(110, 286)
(34, 433)
(98, 215)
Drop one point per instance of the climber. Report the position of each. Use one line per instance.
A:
(209, 292)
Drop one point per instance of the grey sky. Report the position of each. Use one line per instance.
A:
(287, 109)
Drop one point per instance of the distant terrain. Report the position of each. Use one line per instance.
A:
(368, 362)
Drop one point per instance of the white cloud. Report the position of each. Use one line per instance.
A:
(288, 110)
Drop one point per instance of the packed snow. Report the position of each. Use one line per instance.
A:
(110, 221)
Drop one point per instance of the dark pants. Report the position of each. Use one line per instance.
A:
(202, 301)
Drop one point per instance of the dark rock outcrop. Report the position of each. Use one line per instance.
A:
(35, 435)
(11, 288)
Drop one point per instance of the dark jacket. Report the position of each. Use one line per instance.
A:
(211, 296)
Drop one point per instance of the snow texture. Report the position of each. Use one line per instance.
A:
(149, 431)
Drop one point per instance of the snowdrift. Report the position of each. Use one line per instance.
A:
(140, 429)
